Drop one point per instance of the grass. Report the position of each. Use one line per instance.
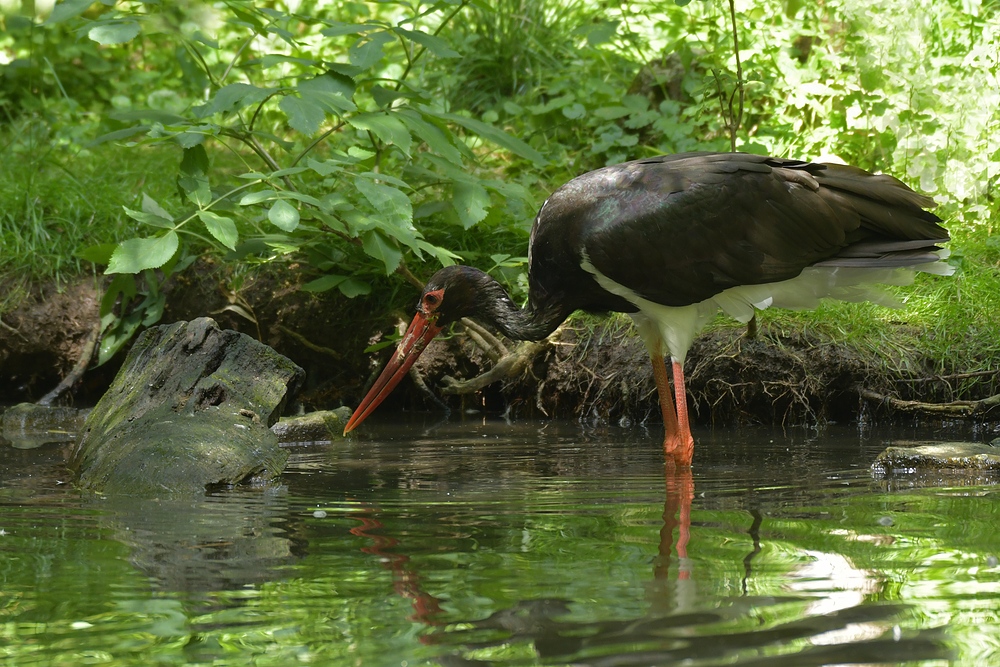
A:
(56, 200)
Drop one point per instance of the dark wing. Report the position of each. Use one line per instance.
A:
(679, 229)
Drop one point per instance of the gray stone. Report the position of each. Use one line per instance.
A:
(27, 425)
(938, 457)
(318, 426)
(189, 409)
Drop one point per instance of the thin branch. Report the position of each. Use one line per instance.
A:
(738, 119)
(315, 143)
(232, 63)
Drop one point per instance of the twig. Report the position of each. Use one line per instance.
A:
(305, 342)
(86, 354)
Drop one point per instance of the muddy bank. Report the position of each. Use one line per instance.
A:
(593, 369)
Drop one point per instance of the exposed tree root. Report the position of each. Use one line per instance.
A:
(308, 344)
(960, 409)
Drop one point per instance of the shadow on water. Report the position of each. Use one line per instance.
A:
(495, 544)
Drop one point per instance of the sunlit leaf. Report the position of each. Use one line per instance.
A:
(284, 216)
(114, 33)
(136, 255)
(67, 10)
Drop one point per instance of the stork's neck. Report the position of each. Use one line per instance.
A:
(535, 322)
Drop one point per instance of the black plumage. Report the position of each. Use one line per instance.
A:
(672, 239)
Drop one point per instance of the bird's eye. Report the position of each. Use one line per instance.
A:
(432, 300)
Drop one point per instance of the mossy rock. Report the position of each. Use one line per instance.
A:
(190, 409)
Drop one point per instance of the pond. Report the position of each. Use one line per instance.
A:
(486, 543)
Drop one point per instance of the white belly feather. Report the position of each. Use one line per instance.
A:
(676, 327)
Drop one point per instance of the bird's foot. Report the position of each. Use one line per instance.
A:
(679, 449)
(510, 365)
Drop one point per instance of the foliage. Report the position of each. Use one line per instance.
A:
(359, 139)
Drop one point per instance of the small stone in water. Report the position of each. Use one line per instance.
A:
(319, 514)
(885, 521)
(992, 561)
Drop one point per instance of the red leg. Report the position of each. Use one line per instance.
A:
(666, 400)
(681, 447)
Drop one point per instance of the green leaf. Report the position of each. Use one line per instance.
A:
(323, 284)
(385, 126)
(494, 134)
(434, 44)
(283, 216)
(251, 198)
(98, 254)
(353, 287)
(119, 134)
(384, 97)
(114, 33)
(197, 189)
(612, 113)
(394, 207)
(471, 202)
(67, 10)
(136, 255)
(338, 29)
(149, 205)
(222, 228)
(195, 161)
(330, 92)
(367, 51)
(303, 115)
(435, 138)
(149, 218)
(349, 287)
(376, 246)
(231, 98)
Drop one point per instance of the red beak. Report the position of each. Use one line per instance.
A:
(418, 334)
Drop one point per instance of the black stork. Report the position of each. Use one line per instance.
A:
(673, 239)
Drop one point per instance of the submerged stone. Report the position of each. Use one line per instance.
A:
(190, 408)
(318, 426)
(28, 425)
(938, 457)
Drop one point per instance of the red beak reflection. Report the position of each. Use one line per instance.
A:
(418, 334)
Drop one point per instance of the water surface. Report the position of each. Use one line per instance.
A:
(488, 543)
